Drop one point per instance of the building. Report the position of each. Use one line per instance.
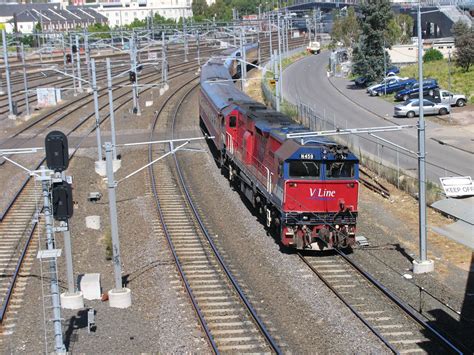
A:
(124, 12)
(51, 17)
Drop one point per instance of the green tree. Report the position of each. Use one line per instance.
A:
(97, 28)
(346, 28)
(406, 25)
(200, 8)
(369, 53)
(431, 55)
(464, 42)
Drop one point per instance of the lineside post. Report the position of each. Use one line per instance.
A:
(119, 297)
(25, 81)
(78, 57)
(11, 114)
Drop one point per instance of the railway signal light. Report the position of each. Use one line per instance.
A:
(74, 48)
(57, 154)
(68, 58)
(62, 201)
(133, 77)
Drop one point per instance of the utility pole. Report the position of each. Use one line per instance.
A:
(88, 54)
(198, 50)
(185, 39)
(277, 79)
(270, 28)
(11, 114)
(72, 65)
(25, 81)
(64, 53)
(79, 74)
(111, 107)
(97, 114)
(423, 265)
(133, 61)
(56, 303)
(279, 53)
(120, 296)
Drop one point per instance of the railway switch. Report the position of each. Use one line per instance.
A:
(63, 205)
(57, 155)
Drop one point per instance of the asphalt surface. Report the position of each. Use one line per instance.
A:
(306, 82)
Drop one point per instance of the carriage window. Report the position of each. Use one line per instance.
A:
(232, 121)
(304, 169)
(340, 169)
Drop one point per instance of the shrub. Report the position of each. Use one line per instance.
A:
(432, 55)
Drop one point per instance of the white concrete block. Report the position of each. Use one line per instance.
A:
(421, 267)
(90, 286)
(120, 298)
(93, 222)
(72, 300)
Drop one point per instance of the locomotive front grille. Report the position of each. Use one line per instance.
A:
(320, 218)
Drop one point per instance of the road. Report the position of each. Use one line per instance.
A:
(306, 82)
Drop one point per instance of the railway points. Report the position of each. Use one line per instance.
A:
(247, 307)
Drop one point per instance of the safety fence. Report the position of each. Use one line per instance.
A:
(396, 164)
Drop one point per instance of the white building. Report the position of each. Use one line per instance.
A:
(124, 12)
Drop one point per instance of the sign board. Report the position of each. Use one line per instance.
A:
(152, 56)
(296, 34)
(455, 186)
(48, 96)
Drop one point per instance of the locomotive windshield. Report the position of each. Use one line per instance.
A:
(305, 169)
(340, 169)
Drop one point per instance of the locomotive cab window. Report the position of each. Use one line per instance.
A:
(304, 169)
(340, 169)
(232, 121)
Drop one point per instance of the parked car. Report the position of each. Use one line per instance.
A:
(362, 81)
(393, 85)
(314, 47)
(429, 85)
(411, 108)
(448, 98)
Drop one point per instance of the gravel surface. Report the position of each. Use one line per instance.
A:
(297, 307)
(161, 318)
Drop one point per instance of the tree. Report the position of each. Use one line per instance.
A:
(98, 27)
(464, 42)
(369, 54)
(431, 55)
(200, 8)
(406, 25)
(346, 29)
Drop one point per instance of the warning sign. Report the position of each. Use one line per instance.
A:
(456, 186)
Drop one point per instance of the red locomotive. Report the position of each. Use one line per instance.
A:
(306, 189)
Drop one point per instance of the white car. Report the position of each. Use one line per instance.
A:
(448, 98)
(411, 108)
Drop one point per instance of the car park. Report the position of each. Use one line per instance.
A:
(429, 85)
(392, 85)
(385, 80)
(411, 108)
(362, 81)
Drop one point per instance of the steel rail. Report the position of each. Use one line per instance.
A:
(202, 321)
(394, 298)
(9, 292)
(353, 310)
(229, 275)
(6, 300)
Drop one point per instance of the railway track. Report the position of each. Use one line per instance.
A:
(15, 258)
(225, 314)
(390, 319)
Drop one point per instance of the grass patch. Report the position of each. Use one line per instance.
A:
(461, 82)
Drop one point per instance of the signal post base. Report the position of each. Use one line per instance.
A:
(72, 300)
(120, 298)
(421, 267)
(11, 117)
(101, 166)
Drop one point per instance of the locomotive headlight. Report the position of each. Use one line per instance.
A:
(337, 226)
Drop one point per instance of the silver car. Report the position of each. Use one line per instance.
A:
(411, 108)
